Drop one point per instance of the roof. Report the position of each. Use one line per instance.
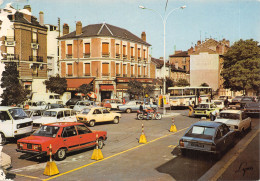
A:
(4, 108)
(159, 63)
(105, 29)
(208, 124)
(181, 54)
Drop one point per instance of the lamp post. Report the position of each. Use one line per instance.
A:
(164, 20)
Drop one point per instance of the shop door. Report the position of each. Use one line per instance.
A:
(106, 95)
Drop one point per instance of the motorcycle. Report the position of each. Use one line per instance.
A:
(148, 114)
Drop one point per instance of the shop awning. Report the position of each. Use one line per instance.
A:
(73, 84)
(106, 87)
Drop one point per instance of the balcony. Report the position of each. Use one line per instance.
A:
(68, 55)
(36, 58)
(105, 54)
(105, 74)
(10, 56)
(124, 57)
(132, 57)
(117, 55)
(118, 75)
(124, 75)
(86, 55)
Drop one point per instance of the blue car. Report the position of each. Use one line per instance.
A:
(207, 136)
(134, 106)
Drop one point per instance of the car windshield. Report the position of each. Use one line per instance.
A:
(49, 114)
(47, 131)
(18, 113)
(85, 111)
(204, 106)
(201, 132)
(217, 103)
(229, 116)
(247, 99)
(28, 112)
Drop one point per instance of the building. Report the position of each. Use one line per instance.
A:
(159, 68)
(206, 63)
(24, 41)
(104, 55)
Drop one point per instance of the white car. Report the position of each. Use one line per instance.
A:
(83, 104)
(237, 120)
(55, 115)
(35, 105)
(219, 103)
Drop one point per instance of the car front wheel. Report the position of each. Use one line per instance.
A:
(3, 139)
(116, 120)
(100, 143)
(128, 110)
(60, 154)
(92, 123)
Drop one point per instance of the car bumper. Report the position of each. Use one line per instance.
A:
(42, 153)
(198, 149)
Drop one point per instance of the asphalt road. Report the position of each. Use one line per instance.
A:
(126, 159)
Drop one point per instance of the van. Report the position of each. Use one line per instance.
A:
(14, 123)
(49, 98)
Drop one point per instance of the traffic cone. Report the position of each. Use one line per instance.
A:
(51, 167)
(142, 137)
(173, 127)
(97, 154)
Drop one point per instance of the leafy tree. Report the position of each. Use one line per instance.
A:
(56, 84)
(204, 84)
(241, 67)
(169, 83)
(182, 83)
(149, 89)
(14, 93)
(85, 88)
(135, 88)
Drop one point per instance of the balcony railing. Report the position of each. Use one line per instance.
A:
(124, 57)
(118, 75)
(117, 55)
(36, 58)
(132, 57)
(68, 55)
(10, 56)
(86, 55)
(105, 74)
(104, 54)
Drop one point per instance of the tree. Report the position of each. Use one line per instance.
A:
(14, 93)
(56, 84)
(85, 88)
(241, 67)
(135, 88)
(149, 89)
(204, 84)
(169, 83)
(182, 83)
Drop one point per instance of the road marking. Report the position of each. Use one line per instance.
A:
(222, 170)
(27, 176)
(112, 155)
(172, 146)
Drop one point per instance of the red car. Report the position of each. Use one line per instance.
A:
(63, 137)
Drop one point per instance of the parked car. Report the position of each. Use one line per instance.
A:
(205, 109)
(236, 120)
(49, 98)
(246, 100)
(134, 106)
(235, 103)
(34, 104)
(6, 161)
(225, 97)
(63, 137)
(94, 115)
(53, 106)
(253, 109)
(55, 115)
(83, 104)
(207, 136)
(111, 103)
(219, 103)
(71, 102)
(34, 113)
(14, 123)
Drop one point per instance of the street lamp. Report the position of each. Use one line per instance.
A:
(164, 20)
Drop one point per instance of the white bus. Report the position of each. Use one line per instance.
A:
(180, 96)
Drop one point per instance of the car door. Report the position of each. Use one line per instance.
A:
(107, 115)
(97, 115)
(60, 116)
(86, 137)
(245, 120)
(219, 140)
(70, 137)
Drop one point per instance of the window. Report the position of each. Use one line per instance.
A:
(124, 51)
(132, 53)
(69, 69)
(117, 69)
(139, 70)
(105, 69)
(124, 70)
(139, 54)
(87, 69)
(67, 113)
(87, 50)
(82, 129)
(105, 111)
(105, 49)
(97, 111)
(69, 51)
(117, 51)
(69, 132)
(144, 54)
(132, 70)
(4, 116)
(60, 115)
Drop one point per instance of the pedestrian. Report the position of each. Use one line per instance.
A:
(226, 102)
(199, 100)
(123, 100)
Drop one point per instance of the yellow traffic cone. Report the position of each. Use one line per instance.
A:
(142, 137)
(51, 167)
(97, 154)
(173, 127)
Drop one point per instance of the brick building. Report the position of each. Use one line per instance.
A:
(25, 43)
(105, 55)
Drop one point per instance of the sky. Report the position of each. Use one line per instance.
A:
(201, 19)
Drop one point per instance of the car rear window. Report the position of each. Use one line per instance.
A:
(47, 131)
(229, 115)
(85, 111)
(201, 132)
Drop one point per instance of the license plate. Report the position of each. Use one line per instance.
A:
(29, 146)
(197, 145)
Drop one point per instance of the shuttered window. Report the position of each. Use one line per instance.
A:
(87, 48)
(124, 70)
(139, 53)
(144, 73)
(124, 50)
(132, 52)
(139, 70)
(87, 69)
(117, 49)
(117, 69)
(105, 69)
(132, 70)
(69, 69)
(105, 49)
(144, 54)
(69, 50)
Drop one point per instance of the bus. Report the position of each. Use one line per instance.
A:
(180, 96)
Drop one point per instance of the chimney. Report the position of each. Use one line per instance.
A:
(41, 18)
(66, 29)
(143, 36)
(190, 51)
(198, 42)
(78, 28)
(28, 7)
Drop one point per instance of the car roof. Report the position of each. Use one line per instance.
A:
(5, 108)
(63, 124)
(59, 109)
(231, 111)
(207, 124)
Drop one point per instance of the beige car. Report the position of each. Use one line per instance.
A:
(94, 115)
